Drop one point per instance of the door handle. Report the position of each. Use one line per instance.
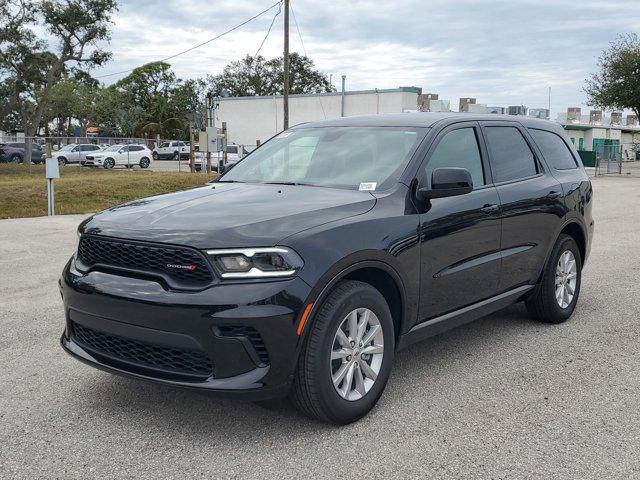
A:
(490, 208)
(553, 195)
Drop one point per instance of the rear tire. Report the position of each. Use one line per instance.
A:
(555, 298)
(144, 162)
(62, 161)
(313, 391)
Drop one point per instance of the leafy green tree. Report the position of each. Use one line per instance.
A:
(30, 67)
(257, 76)
(168, 103)
(145, 84)
(617, 84)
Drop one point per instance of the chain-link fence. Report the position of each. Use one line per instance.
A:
(165, 155)
(617, 159)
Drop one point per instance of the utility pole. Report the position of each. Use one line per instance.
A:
(192, 165)
(286, 65)
(344, 78)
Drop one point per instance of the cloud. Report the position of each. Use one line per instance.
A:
(500, 51)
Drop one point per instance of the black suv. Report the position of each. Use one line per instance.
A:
(303, 269)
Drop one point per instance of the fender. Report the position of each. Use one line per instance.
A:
(356, 261)
(570, 218)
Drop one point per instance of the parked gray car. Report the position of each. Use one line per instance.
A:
(14, 152)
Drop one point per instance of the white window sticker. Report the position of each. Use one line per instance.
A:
(367, 186)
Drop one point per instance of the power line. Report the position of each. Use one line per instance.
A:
(298, 29)
(268, 31)
(295, 21)
(279, 2)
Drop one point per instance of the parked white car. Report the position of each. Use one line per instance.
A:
(74, 153)
(235, 153)
(171, 150)
(127, 155)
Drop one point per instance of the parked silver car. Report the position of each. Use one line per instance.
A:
(75, 152)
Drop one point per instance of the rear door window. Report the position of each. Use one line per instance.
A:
(555, 151)
(458, 148)
(510, 155)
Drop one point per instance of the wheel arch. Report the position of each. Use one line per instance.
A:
(377, 273)
(575, 230)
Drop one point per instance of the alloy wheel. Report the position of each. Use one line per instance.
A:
(356, 354)
(566, 278)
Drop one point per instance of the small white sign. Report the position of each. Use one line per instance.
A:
(367, 186)
(52, 170)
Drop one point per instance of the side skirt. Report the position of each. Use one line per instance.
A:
(456, 318)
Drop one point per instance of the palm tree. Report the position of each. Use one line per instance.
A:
(169, 128)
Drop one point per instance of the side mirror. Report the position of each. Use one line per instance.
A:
(447, 182)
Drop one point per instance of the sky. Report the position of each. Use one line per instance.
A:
(503, 52)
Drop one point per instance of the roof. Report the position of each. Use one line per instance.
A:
(428, 119)
(416, 90)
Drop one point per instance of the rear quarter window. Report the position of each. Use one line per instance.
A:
(554, 149)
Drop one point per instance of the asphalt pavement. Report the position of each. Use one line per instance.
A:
(503, 397)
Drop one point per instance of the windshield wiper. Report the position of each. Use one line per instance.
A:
(289, 183)
(227, 181)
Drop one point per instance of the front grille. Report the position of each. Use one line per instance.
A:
(250, 334)
(185, 266)
(171, 360)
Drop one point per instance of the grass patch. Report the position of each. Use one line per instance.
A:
(82, 190)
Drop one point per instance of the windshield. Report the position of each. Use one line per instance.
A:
(364, 158)
(70, 146)
(112, 148)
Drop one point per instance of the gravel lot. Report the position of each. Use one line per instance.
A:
(503, 397)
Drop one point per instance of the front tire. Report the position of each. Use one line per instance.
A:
(556, 296)
(62, 161)
(155, 155)
(109, 163)
(15, 158)
(347, 356)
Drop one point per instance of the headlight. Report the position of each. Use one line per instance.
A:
(75, 252)
(266, 262)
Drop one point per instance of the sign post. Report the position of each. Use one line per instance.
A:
(52, 170)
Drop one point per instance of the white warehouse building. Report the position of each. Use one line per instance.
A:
(250, 119)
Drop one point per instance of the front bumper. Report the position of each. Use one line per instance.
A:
(246, 330)
(90, 162)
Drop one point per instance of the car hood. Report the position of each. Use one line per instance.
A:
(224, 215)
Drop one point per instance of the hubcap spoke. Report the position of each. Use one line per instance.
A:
(373, 331)
(368, 371)
(342, 338)
(339, 375)
(353, 325)
(371, 349)
(340, 354)
(360, 388)
(362, 325)
(348, 380)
